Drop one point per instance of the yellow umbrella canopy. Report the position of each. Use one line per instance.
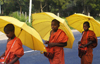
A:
(28, 35)
(76, 21)
(42, 23)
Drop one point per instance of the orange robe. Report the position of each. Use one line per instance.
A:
(16, 50)
(90, 36)
(58, 52)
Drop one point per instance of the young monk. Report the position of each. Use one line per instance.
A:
(86, 45)
(14, 49)
(58, 39)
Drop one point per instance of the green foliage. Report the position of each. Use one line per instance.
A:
(9, 6)
(67, 23)
(41, 0)
(29, 24)
(61, 3)
(1, 2)
(64, 7)
(20, 17)
(98, 18)
(93, 5)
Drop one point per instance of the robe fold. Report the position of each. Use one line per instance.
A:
(57, 52)
(16, 50)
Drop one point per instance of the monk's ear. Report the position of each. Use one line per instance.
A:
(89, 26)
(58, 25)
(12, 32)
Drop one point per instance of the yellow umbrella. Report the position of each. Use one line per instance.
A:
(28, 35)
(76, 21)
(42, 23)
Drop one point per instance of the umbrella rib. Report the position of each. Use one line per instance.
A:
(1, 27)
(43, 28)
(42, 22)
(33, 42)
(20, 32)
(47, 32)
(76, 21)
(92, 25)
(25, 35)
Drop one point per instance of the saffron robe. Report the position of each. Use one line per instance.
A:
(58, 52)
(16, 50)
(87, 58)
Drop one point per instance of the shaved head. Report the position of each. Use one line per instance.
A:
(56, 21)
(9, 27)
(87, 23)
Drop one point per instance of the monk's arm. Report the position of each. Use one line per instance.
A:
(46, 42)
(14, 60)
(90, 42)
(57, 44)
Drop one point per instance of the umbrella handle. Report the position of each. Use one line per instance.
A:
(41, 52)
(20, 32)
(9, 51)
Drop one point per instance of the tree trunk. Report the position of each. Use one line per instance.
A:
(41, 6)
(19, 6)
(1, 11)
(3, 6)
(20, 9)
(88, 11)
(85, 8)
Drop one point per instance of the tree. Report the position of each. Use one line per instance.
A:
(2, 3)
(41, 5)
(20, 3)
(89, 5)
(61, 4)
